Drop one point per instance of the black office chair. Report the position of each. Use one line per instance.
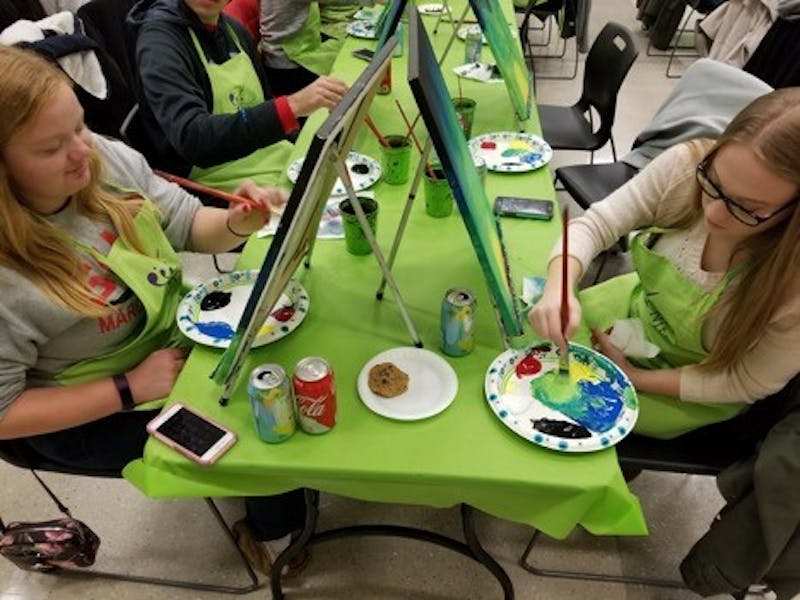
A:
(705, 451)
(608, 62)
(20, 454)
(546, 13)
(591, 183)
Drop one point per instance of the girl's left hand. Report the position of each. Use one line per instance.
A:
(248, 218)
(601, 342)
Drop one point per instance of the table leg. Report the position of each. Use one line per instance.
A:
(471, 549)
(312, 513)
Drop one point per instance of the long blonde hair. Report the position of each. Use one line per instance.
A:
(770, 127)
(29, 244)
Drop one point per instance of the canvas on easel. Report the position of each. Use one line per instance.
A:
(507, 54)
(433, 100)
(298, 226)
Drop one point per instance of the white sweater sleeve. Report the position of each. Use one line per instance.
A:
(656, 196)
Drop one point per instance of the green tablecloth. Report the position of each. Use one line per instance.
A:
(463, 455)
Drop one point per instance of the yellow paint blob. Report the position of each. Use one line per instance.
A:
(579, 371)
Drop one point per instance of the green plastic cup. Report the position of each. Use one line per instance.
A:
(465, 110)
(396, 159)
(438, 196)
(354, 238)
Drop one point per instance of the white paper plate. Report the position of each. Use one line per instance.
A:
(511, 151)
(431, 8)
(365, 30)
(591, 409)
(210, 313)
(432, 385)
(364, 171)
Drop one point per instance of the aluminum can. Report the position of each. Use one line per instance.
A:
(473, 44)
(385, 84)
(458, 322)
(271, 400)
(315, 395)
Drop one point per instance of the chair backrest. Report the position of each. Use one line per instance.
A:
(607, 64)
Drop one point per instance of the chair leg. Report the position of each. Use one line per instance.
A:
(613, 149)
(180, 583)
(587, 576)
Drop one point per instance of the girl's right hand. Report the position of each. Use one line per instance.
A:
(155, 376)
(545, 316)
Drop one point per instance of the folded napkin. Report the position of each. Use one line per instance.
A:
(628, 336)
(484, 72)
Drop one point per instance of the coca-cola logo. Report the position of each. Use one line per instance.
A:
(312, 407)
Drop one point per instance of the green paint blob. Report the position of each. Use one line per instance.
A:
(555, 388)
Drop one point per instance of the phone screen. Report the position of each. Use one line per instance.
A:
(526, 208)
(364, 54)
(191, 431)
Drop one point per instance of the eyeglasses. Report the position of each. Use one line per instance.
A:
(739, 212)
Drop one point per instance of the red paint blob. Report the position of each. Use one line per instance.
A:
(488, 145)
(283, 314)
(528, 366)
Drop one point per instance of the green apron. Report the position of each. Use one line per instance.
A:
(156, 283)
(306, 47)
(335, 17)
(672, 309)
(235, 85)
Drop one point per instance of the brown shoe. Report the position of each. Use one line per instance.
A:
(258, 556)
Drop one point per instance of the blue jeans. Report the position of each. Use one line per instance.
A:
(112, 442)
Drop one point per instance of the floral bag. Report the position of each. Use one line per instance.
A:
(49, 545)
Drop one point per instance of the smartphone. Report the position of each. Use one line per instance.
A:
(364, 54)
(524, 208)
(195, 436)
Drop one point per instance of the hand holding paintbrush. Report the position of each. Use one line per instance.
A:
(563, 357)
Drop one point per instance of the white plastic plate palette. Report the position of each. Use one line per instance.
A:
(432, 385)
(365, 30)
(591, 408)
(431, 8)
(210, 313)
(511, 151)
(364, 172)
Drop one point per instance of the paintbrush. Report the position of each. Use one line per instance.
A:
(381, 140)
(563, 358)
(413, 136)
(204, 189)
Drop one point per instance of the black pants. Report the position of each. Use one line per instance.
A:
(111, 443)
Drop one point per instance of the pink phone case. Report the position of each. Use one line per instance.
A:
(207, 459)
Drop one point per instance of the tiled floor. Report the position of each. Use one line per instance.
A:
(175, 537)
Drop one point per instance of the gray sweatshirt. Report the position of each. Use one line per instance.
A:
(38, 339)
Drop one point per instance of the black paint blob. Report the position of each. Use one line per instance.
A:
(215, 300)
(562, 429)
(360, 168)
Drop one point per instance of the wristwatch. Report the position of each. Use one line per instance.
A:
(124, 391)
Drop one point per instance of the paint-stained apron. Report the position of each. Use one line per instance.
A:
(672, 309)
(335, 18)
(235, 85)
(306, 47)
(156, 282)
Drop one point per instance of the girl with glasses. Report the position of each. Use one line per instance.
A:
(716, 283)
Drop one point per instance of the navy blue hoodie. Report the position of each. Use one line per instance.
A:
(175, 95)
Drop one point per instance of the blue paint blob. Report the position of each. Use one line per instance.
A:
(532, 157)
(219, 330)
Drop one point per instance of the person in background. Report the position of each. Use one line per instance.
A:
(716, 285)
(91, 284)
(293, 47)
(205, 100)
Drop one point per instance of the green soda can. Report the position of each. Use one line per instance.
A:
(273, 407)
(458, 322)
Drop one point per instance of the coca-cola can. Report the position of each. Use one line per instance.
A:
(315, 395)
